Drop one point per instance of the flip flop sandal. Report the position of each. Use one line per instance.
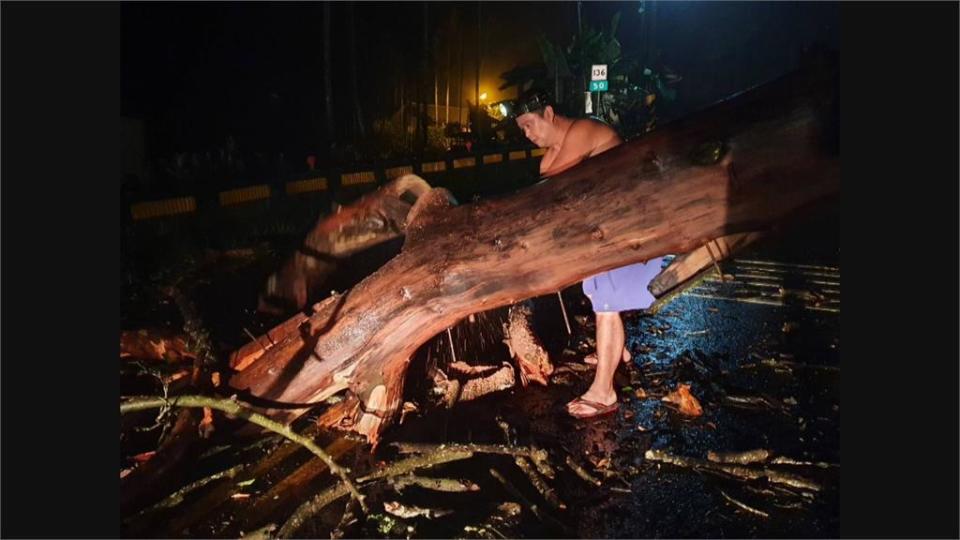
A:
(599, 409)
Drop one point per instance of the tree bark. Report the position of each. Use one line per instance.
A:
(740, 165)
(377, 217)
(690, 264)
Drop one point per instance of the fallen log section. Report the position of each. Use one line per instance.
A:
(741, 165)
(689, 264)
(375, 218)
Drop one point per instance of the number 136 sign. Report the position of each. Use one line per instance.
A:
(599, 72)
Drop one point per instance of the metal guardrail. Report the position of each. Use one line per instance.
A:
(166, 207)
(188, 204)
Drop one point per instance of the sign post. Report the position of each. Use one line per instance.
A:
(598, 82)
(598, 72)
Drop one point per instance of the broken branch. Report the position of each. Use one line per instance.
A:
(537, 511)
(739, 471)
(548, 493)
(750, 509)
(582, 473)
(234, 408)
(538, 456)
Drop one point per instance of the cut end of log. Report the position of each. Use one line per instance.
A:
(531, 356)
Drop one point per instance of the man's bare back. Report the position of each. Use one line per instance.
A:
(584, 138)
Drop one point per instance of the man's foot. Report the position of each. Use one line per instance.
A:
(592, 357)
(590, 406)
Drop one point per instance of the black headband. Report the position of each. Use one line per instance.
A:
(528, 104)
(532, 103)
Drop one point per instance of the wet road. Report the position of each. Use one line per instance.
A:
(771, 332)
(760, 349)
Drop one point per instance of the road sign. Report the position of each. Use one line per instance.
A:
(599, 86)
(598, 72)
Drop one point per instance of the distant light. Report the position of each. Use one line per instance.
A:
(483, 96)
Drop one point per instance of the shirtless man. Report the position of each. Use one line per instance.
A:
(568, 142)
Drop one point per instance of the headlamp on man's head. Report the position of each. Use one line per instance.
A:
(531, 103)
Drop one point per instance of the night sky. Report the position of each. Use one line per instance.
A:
(197, 72)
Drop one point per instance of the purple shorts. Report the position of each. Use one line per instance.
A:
(624, 288)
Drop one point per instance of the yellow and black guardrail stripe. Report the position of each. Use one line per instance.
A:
(397, 172)
(165, 207)
(244, 195)
(297, 187)
(464, 162)
(356, 178)
(433, 166)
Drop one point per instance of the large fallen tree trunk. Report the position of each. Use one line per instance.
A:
(741, 165)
